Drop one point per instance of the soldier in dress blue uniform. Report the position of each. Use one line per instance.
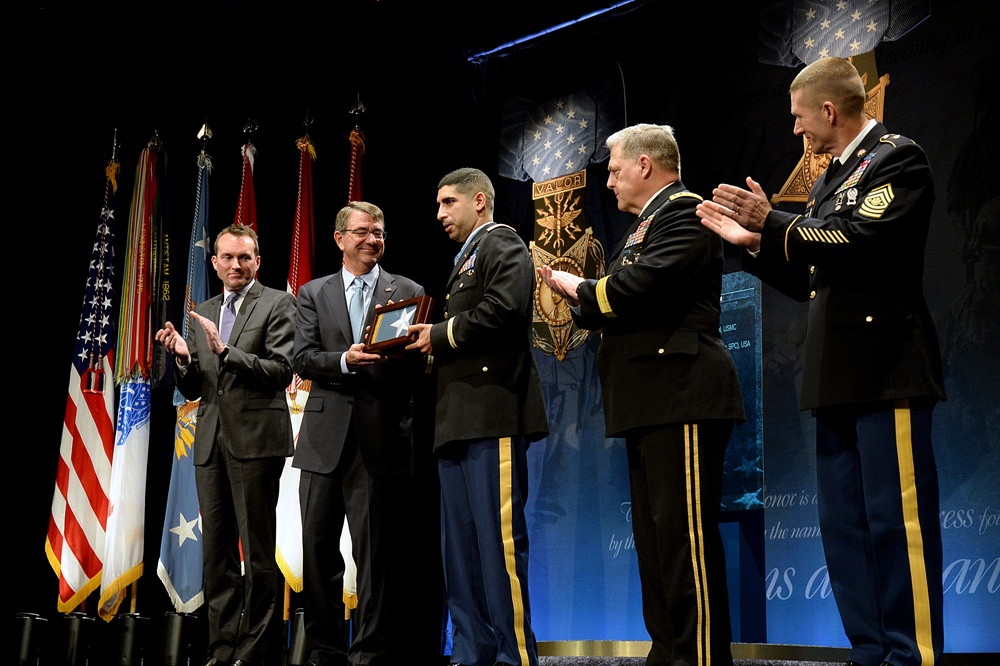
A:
(872, 370)
(489, 409)
(670, 388)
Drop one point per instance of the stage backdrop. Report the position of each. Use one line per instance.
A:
(939, 91)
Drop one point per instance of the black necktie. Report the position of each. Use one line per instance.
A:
(831, 171)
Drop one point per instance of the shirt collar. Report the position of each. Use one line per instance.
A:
(469, 240)
(242, 292)
(370, 278)
(655, 194)
(852, 146)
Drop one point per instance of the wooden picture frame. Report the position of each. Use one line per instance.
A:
(387, 332)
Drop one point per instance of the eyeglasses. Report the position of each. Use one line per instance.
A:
(362, 234)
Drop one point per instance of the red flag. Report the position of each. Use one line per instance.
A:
(77, 527)
(246, 207)
(300, 269)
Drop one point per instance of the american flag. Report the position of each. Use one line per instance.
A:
(180, 567)
(77, 526)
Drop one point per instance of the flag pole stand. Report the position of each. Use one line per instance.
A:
(179, 631)
(73, 646)
(32, 629)
(129, 644)
(298, 653)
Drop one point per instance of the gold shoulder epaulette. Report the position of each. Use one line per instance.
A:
(685, 193)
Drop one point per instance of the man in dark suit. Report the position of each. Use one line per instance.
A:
(356, 451)
(872, 371)
(242, 438)
(670, 388)
(489, 408)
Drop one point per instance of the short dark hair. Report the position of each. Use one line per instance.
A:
(469, 181)
(239, 230)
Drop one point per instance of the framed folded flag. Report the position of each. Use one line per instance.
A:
(387, 333)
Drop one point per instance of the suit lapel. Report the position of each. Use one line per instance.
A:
(336, 297)
(385, 288)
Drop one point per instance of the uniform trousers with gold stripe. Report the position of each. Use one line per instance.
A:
(878, 514)
(484, 543)
(675, 478)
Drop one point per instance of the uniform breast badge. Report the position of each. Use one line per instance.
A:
(470, 263)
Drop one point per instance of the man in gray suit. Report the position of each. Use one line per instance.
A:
(243, 435)
(357, 454)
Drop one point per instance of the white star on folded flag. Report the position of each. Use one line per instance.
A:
(404, 321)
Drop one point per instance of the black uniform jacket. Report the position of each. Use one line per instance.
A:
(661, 358)
(488, 384)
(857, 255)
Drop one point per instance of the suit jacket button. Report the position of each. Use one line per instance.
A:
(486, 368)
(812, 294)
(221, 392)
(447, 296)
(869, 319)
(812, 269)
(660, 350)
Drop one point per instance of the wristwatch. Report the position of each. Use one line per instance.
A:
(223, 354)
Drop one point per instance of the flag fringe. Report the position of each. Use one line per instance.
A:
(179, 604)
(294, 582)
(113, 596)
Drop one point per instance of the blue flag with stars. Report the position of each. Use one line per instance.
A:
(180, 565)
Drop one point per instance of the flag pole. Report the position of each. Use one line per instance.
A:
(357, 139)
(180, 567)
(300, 270)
